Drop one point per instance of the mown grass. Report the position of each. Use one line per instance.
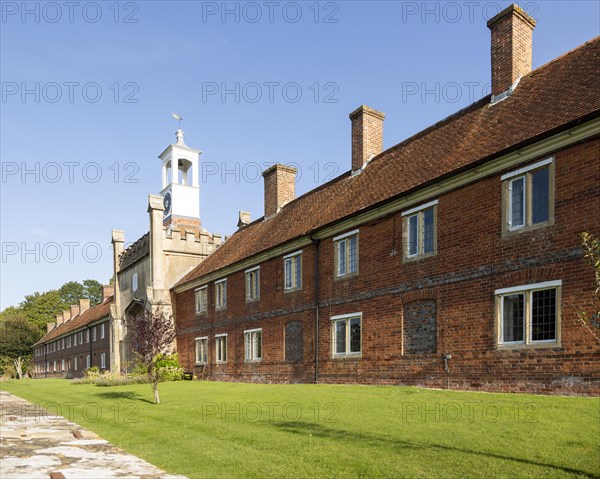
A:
(209, 429)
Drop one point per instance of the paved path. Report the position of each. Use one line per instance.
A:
(35, 445)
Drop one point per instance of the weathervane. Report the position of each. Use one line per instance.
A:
(178, 118)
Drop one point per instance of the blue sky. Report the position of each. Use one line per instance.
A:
(88, 91)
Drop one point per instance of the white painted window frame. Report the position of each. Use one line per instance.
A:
(345, 317)
(201, 339)
(527, 290)
(221, 296)
(288, 261)
(203, 304)
(252, 294)
(248, 335)
(219, 357)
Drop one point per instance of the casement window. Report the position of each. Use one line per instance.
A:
(94, 334)
(102, 331)
(202, 350)
(292, 266)
(346, 334)
(528, 196)
(420, 231)
(346, 254)
(75, 363)
(63, 343)
(134, 282)
(253, 284)
(75, 339)
(69, 341)
(103, 360)
(62, 365)
(221, 348)
(81, 337)
(221, 294)
(201, 300)
(253, 345)
(528, 315)
(88, 362)
(54, 368)
(87, 335)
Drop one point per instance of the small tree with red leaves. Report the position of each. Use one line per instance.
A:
(152, 336)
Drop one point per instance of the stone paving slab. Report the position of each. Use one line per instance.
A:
(35, 445)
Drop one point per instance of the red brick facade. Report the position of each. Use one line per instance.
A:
(78, 342)
(474, 258)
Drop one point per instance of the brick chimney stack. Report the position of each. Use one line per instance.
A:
(84, 305)
(280, 187)
(107, 291)
(74, 310)
(512, 45)
(367, 135)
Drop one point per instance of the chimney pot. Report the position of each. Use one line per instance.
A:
(84, 305)
(512, 46)
(107, 291)
(367, 135)
(244, 219)
(280, 187)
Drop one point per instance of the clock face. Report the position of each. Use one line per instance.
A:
(167, 203)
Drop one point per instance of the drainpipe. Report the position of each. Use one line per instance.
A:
(90, 336)
(317, 243)
(447, 358)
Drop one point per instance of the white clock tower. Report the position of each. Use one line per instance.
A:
(180, 187)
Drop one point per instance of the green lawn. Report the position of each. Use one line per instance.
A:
(208, 429)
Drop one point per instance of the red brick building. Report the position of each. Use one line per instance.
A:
(452, 259)
(79, 339)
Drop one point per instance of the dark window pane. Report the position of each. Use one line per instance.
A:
(543, 315)
(428, 230)
(355, 335)
(340, 336)
(540, 198)
(513, 318)
(352, 257)
(413, 235)
(298, 271)
(342, 258)
(517, 203)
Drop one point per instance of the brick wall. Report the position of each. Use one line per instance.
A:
(397, 299)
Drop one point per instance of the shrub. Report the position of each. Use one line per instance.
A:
(92, 372)
(169, 368)
(110, 379)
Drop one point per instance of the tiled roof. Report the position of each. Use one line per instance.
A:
(559, 93)
(91, 315)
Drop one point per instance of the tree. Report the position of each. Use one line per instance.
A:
(92, 291)
(42, 308)
(152, 337)
(591, 252)
(17, 335)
